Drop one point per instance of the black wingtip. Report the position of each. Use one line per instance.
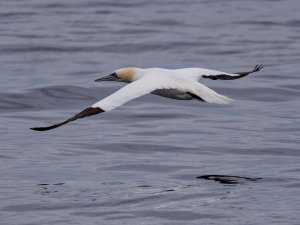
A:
(258, 67)
(39, 128)
(35, 128)
(84, 113)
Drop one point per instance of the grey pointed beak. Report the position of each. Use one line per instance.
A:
(110, 77)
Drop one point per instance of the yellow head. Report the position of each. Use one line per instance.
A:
(122, 75)
(126, 74)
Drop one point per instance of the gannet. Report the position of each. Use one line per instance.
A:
(180, 84)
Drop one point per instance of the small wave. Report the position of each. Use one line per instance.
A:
(289, 23)
(46, 97)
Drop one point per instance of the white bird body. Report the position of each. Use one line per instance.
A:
(144, 81)
(178, 84)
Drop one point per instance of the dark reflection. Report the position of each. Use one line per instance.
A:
(44, 184)
(227, 179)
(59, 184)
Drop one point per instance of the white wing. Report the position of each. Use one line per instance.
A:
(217, 75)
(129, 92)
(125, 94)
(198, 73)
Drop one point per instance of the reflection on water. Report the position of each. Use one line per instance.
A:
(225, 179)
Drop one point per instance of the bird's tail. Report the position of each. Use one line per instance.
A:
(210, 95)
(216, 98)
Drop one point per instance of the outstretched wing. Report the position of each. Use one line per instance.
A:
(234, 76)
(125, 94)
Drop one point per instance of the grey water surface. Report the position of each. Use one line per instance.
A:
(154, 160)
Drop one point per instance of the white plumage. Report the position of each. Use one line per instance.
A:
(179, 84)
(148, 80)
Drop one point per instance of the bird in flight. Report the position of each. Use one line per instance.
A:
(180, 84)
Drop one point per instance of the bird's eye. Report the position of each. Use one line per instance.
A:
(115, 75)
